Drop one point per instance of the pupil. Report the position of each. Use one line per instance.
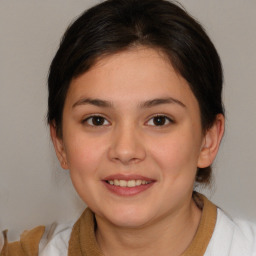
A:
(98, 120)
(159, 120)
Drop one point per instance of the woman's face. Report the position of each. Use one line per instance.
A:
(132, 138)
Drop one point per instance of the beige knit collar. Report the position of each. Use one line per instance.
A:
(83, 241)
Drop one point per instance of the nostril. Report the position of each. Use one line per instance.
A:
(126, 147)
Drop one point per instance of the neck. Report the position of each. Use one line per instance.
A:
(169, 235)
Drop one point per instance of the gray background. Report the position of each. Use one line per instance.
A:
(33, 188)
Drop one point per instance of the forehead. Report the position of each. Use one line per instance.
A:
(132, 75)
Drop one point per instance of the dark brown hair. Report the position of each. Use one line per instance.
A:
(116, 25)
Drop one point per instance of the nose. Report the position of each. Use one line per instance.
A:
(127, 145)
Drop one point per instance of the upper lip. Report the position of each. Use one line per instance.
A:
(127, 177)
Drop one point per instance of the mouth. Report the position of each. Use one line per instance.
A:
(128, 183)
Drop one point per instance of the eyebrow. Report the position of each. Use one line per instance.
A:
(160, 101)
(95, 102)
(146, 104)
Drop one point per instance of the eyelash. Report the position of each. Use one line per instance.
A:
(166, 118)
(86, 120)
(89, 121)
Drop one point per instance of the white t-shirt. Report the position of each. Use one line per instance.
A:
(232, 237)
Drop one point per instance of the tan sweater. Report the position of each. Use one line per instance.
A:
(83, 241)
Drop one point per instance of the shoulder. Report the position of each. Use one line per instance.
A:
(27, 246)
(42, 241)
(232, 237)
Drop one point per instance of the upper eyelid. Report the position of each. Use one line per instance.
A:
(93, 115)
(163, 115)
(171, 119)
(87, 117)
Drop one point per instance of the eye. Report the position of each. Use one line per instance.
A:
(96, 121)
(159, 120)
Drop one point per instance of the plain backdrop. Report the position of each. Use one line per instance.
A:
(33, 188)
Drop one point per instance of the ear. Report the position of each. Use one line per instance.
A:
(211, 142)
(58, 146)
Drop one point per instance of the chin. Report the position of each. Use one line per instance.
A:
(128, 218)
(129, 222)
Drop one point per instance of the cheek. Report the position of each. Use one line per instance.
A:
(84, 154)
(84, 157)
(177, 154)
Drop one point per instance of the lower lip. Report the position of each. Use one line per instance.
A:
(127, 191)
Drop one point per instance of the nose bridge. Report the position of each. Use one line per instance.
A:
(127, 144)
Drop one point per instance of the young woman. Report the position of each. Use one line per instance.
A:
(136, 115)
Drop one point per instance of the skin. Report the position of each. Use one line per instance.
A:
(162, 219)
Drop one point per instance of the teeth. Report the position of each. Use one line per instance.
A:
(129, 183)
(138, 182)
(123, 183)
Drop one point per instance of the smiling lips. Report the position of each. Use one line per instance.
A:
(127, 185)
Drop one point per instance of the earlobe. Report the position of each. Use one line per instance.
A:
(58, 146)
(211, 142)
